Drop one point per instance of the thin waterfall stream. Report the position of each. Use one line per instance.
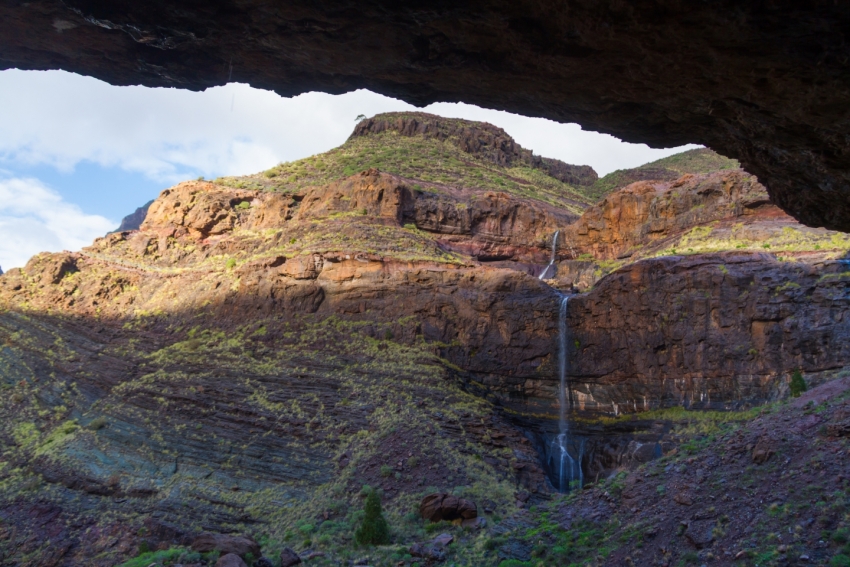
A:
(565, 450)
(569, 469)
(552, 260)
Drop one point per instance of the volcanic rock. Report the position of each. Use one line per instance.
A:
(288, 558)
(713, 331)
(699, 533)
(426, 551)
(134, 221)
(230, 560)
(440, 506)
(226, 544)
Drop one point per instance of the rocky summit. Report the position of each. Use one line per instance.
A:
(432, 325)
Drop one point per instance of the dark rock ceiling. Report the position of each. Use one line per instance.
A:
(767, 82)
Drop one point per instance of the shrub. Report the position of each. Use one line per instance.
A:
(97, 423)
(374, 529)
(798, 384)
(386, 470)
(244, 205)
(231, 263)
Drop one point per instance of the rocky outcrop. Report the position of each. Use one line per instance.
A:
(711, 331)
(487, 226)
(480, 139)
(760, 82)
(224, 544)
(696, 213)
(445, 507)
(642, 213)
(134, 221)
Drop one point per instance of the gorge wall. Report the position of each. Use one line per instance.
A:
(264, 346)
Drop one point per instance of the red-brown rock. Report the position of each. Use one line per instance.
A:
(230, 560)
(440, 506)
(226, 544)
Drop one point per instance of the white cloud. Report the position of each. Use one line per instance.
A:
(35, 218)
(60, 119)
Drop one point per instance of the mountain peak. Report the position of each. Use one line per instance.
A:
(480, 139)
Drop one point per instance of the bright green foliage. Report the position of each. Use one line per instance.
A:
(798, 384)
(374, 529)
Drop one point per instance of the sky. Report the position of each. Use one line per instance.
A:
(77, 154)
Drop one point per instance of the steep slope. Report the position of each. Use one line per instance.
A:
(134, 220)
(721, 211)
(437, 154)
(701, 160)
(763, 488)
(247, 361)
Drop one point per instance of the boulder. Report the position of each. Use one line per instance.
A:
(426, 551)
(226, 544)
(288, 558)
(700, 533)
(230, 560)
(441, 506)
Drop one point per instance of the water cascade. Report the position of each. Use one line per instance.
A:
(552, 260)
(568, 469)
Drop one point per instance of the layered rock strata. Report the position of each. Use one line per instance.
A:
(709, 331)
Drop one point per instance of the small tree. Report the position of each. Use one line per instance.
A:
(374, 529)
(360, 118)
(798, 385)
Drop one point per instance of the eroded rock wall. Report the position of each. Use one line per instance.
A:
(709, 331)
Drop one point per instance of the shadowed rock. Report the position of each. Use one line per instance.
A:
(441, 506)
(224, 544)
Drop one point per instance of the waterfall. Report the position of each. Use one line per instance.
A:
(569, 469)
(552, 260)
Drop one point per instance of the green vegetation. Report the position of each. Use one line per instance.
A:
(429, 163)
(709, 238)
(798, 384)
(701, 160)
(374, 529)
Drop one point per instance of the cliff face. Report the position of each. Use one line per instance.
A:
(760, 82)
(696, 213)
(706, 331)
(633, 219)
(134, 221)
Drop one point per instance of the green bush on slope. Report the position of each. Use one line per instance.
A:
(374, 529)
